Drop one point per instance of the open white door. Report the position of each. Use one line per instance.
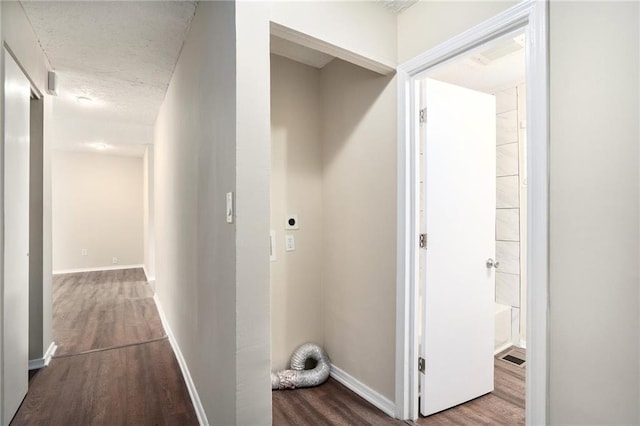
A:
(17, 92)
(459, 219)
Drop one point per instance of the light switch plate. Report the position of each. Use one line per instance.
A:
(229, 207)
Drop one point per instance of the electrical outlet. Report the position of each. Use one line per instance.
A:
(289, 243)
(114, 260)
(84, 252)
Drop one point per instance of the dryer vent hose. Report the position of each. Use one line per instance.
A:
(297, 376)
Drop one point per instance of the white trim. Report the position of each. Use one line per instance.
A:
(379, 401)
(502, 348)
(150, 279)
(38, 363)
(306, 40)
(96, 269)
(533, 16)
(193, 392)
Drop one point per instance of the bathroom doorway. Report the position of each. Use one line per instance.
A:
(414, 360)
(472, 192)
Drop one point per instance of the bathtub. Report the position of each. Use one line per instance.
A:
(502, 338)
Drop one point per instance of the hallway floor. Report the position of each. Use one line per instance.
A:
(334, 404)
(114, 364)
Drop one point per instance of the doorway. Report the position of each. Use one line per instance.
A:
(529, 18)
(472, 193)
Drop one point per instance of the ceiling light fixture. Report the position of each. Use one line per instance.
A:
(83, 100)
(102, 146)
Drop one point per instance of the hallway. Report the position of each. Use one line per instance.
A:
(114, 363)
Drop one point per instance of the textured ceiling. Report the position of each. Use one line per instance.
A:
(121, 55)
(397, 6)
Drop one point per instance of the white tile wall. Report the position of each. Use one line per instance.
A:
(508, 254)
(507, 159)
(507, 100)
(507, 288)
(507, 195)
(507, 127)
(508, 224)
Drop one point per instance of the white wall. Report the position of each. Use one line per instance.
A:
(148, 213)
(296, 188)
(195, 154)
(429, 23)
(594, 215)
(594, 190)
(361, 27)
(359, 209)
(97, 206)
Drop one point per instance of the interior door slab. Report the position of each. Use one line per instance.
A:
(459, 219)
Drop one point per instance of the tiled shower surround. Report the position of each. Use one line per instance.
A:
(510, 199)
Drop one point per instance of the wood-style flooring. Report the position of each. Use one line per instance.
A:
(333, 404)
(95, 379)
(504, 406)
(97, 310)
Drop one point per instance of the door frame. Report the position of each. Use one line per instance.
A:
(532, 16)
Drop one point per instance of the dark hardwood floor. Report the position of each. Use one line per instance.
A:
(97, 310)
(333, 404)
(328, 404)
(138, 384)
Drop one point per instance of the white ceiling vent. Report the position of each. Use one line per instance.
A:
(505, 48)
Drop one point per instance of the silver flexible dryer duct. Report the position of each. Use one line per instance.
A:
(298, 377)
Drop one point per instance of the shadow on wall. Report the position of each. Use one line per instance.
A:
(347, 108)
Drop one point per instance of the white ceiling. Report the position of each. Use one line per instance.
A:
(121, 54)
(476, 71)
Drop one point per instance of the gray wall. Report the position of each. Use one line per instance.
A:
(194, 168)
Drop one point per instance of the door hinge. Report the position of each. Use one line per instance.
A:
(423, 241)
(423, 115)
(421, 365)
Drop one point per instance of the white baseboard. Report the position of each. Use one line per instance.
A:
(150, 279)
(38, 363)
(502, 348)
(378, 400)
(193, 392)
(96, 269)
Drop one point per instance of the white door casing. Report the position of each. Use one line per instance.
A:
(459, 219)
(532, 16)
(17, 90)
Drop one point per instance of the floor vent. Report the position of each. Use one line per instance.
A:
(514, 360)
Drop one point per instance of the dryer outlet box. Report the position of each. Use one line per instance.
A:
(291, 222)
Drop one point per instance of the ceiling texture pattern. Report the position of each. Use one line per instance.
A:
(119, 54)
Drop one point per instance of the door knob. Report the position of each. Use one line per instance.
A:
(492, 264)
